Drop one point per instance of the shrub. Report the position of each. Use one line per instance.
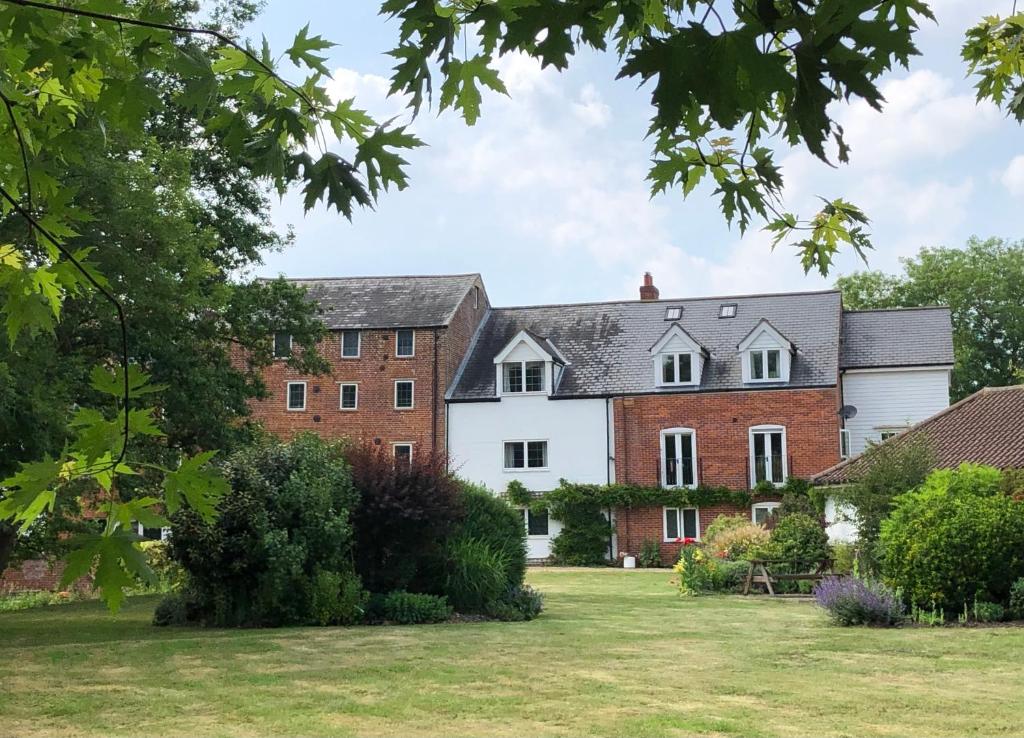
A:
(844, 558)
(171, 610)
(404, 515)
(697, 571)
(954, 540)
(852, 601)
(729, 576)
(476, 574)
(519, 603)
(989, 612)
(797, 503)
(408, 608)
(489, 518)
(1016, 609)
(650, 554)
(583, 540)
(798, 537)
(169, 574)
(737, 542)
(723, 523)
(285, 520)
(338, 598)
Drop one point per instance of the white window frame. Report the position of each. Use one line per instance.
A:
(785, 453)
(679, 523)
(545, 372)
(764, 363)
(165, 532)
(526, 456)
(405, 356)
(884, 434)
(694, 369)
(359, 343)
(291, 346)
(341, 395)
(728, 310)
(845, 441)
(678, 432)
(412, 393)
(288, 397)
(526, 525)
(771, 507)
(673, 313)
(403, 444)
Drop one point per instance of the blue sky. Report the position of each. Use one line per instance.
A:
(546, 195)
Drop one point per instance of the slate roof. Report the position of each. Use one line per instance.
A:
(607, 344)
(388, 302)
(985, 428)
(898, 337)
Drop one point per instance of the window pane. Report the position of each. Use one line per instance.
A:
(405, 342)
(152, 534)
(685, 371)
(514, 458)
(296, 396)
(671, 463)
(537, 523)
(537, 454)
(513, 377)
(671, 522)
(756, 365)
(535, 376)
(403, 455)
(282, 345)
(350, 343)
(773, 365)
(668, 369)
(776, 444)
(348, 396)
(686, 458)
(689, 523)
(403, 394)
(760, 469)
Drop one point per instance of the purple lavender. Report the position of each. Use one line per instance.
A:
(853, 601)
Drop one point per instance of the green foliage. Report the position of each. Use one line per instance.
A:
(954, 540)
(170, 577)
(338, 598)
(994, 52)
(28, 600)
(981, 286)
(730, 575)
(988, 612)
(174, 609)
(475, 574)
(736, 539)
(408, 608)
(844, 558)
(490, 519)
(724, 90)
(518, 604)
(279, 552)
(1016, 605)
(517, 494)
(697, 572)
(650, 554)
(583, 540)
(723, 523)
(798, 538)
(623, 495)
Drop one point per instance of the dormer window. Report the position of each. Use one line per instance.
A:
(765, 364)
(766, 355)
(728, 310)
(676, 368)
(522, 376)
(673, 313)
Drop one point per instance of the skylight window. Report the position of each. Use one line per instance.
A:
(728, 310)
(673, 313)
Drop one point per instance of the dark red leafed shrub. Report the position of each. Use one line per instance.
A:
(405, 513)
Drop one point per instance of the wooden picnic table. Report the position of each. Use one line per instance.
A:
(760, 573)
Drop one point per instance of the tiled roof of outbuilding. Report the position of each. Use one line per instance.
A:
(985, 428)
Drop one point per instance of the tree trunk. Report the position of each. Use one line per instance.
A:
(8, 537)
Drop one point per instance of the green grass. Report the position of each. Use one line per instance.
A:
(616, 653)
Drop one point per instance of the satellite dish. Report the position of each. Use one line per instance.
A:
(847, 411)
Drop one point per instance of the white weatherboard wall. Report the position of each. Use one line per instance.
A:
(576, 432)
(891, 400)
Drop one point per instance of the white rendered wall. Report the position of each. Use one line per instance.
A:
(891, 399)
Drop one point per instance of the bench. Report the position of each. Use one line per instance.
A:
(760, 573)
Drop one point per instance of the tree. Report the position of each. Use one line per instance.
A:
(983, 285)
(727, 83)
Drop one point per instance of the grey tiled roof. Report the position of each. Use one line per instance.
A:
(388, 302)
(900, 337)
(607, 344)
(984, 428)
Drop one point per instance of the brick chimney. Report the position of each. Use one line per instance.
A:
(647, 290)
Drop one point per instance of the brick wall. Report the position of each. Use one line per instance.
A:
(438, 353)
(721, 421)
(37, 575)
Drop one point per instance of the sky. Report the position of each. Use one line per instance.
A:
(546, 195)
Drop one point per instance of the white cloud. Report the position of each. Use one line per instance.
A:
(1013, 177)
(590, 108)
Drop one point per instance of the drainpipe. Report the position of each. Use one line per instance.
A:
(433, 403)
(608, 470)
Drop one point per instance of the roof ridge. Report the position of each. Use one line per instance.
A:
(660, 301)
(371, 276)
(897, 309)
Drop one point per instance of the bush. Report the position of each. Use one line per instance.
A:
(852, 601)
(338, 598)
(729, 576)
(1016, 609)
(844, 558)
(798, 537)
(954, 540)
(583, 540)
(403, 517)
(650, 554)
(723, 523)
(171, 610)
(518, 604)
(489, 518)
(284, 521)
(476, 574)
(698, 572)
(408, 608)
(169, 575)
(737, 542)
(989, 612)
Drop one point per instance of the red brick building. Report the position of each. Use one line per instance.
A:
(394, 346)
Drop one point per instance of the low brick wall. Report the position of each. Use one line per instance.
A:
(36, 575)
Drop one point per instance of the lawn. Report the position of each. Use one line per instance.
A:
(616, 653)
